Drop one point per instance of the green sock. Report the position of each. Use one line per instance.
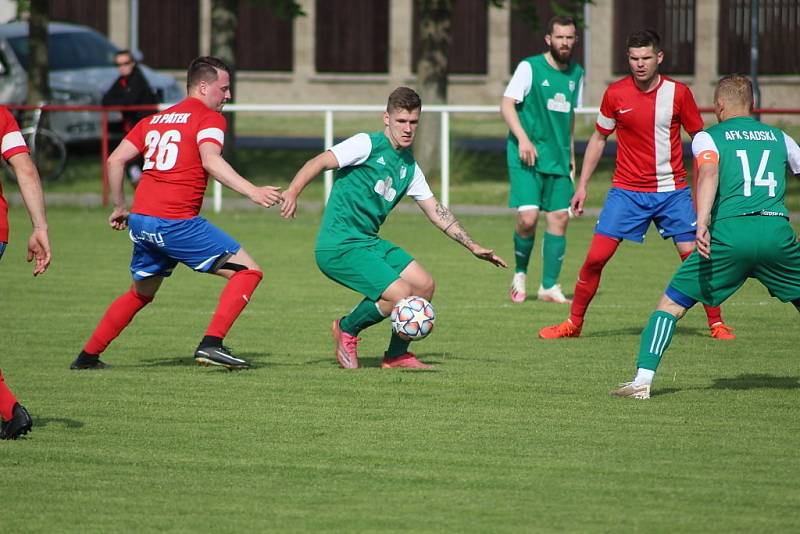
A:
(522, 252)
(656, 338)
(397, 346)
(553, 247)
(363, 316)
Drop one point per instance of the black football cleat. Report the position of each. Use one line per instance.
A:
(84, 361)
(220, 356)
(19, 424)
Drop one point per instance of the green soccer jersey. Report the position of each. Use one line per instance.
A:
(364, 192)
(752, 167)
(546, 112)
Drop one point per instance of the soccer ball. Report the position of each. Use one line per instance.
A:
(413, 318)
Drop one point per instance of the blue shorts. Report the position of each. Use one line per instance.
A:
(159, 244)
(627, 214)
(2, 249)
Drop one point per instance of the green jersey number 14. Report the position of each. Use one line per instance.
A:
(759, 181)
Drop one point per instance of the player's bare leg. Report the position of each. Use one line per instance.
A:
(717, 327)
(554, 245)
(524, 237)
(414, 280)
(243, 275)
(118, 315)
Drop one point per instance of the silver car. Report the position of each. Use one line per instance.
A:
(81, 71)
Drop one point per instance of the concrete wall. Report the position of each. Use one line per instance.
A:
(305, 85)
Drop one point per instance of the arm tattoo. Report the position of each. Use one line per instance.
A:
(445, 215)
(451, 226)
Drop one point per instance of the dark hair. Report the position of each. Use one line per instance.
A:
(561, 20)
(125, 52)
(403, 98)
(204, 69)
(735, 87)
(644, 38)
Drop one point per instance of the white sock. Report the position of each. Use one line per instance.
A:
(644, 377)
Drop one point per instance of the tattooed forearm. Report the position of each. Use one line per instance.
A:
(450, 226)
(460, 235)
(446, 217)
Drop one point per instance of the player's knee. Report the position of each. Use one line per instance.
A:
(557, 221)
(426, 288)
(526, 222)
(399, 289)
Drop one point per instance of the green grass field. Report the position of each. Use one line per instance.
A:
(509, 434)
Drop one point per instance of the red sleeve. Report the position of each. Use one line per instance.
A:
(135, 136)
(690, 117)
(606, 120)
(212, 128)
(11, 140)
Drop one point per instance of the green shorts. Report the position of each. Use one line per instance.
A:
(367, 269)
(760, 247)
(548, 192)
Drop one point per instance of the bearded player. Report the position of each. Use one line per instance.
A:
(539, 108)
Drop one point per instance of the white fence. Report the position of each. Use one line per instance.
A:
(329, 110)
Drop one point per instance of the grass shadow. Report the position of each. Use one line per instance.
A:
(757, 381)
(62, 421)
(256, 361)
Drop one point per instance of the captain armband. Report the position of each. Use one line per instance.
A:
(707, 156)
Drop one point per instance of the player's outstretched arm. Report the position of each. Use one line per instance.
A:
(30, 187)
(707, 184)
(594, 151)
(115, 168)
(444, 219)
(309, 170)
(215, 165)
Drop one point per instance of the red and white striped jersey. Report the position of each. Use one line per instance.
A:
(174, 181)
(11, 144)
(648, 126)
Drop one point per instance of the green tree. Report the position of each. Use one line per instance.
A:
(37, 14)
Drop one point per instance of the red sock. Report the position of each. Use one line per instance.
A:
(713, 313)
(116, 318)
(232, 300)
(600, 251)
(7, 400)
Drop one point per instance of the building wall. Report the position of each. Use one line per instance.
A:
(304, 85)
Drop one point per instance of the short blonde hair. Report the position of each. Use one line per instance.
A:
(735, 89)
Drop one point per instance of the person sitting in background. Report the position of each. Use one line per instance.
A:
(130, 89)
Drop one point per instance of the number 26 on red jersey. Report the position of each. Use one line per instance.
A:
(162, 150)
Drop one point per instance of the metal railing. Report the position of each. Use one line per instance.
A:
(328, 111)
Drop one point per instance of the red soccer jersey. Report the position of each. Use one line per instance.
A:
(12, 144)
(648, 126)
(173, 179)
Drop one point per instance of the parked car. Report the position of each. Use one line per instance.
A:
(81, 70)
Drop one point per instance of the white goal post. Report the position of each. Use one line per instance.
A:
(329, 110)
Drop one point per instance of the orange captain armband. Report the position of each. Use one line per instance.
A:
(706, 156)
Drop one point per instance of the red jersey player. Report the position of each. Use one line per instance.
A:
(181, 146)
(647, 110)
(15, 418)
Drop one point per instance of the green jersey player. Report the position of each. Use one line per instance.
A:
(374, 172)
(743, 228)
(539, 108)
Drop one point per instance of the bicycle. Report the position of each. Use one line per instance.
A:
(47, 150)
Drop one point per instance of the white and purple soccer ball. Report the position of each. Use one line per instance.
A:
(413, 318)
